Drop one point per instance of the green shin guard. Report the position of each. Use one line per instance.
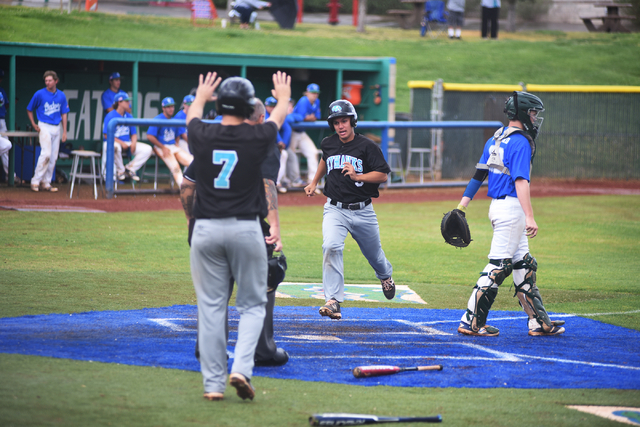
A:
(484, 300)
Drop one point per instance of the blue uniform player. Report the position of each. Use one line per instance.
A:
(354, 167)
(164, 139)
(307, 109)
(227, 238)
(108, 95)
(126, 138)
(51, 107)
(183, 133)
(506, 160)
(5, 144)
(284, 139)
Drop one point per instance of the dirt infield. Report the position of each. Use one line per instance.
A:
(22, 196)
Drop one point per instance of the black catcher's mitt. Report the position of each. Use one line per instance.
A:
(455, 230)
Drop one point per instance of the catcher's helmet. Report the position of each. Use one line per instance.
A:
(342, 108)
(236, 97)
(277, 270)
(519, 106)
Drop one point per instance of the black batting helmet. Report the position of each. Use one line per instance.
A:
(342, 108)
(236, 97)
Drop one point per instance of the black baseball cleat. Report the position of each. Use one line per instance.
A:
(388, 287)
(331, 309)
(243, 386)
(279, 358)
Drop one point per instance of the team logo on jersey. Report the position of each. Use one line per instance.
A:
(122, 131)
(336, 109)
(169, 135)
(50, 109)
(337, 162)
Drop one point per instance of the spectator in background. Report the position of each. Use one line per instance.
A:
(165, 141)
(109, 94)
(307, 109)
(183, 139)
(126, 138)
(456, 18)
(245, 10)
(5, 144)
(490, 13)
(51, 107)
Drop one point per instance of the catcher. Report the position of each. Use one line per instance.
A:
(506, 160)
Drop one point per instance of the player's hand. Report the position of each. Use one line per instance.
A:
(281, 86)
(531, 227)
(281, 146)
(165, 151)
(63, 138)
(207, 86)
(310, 190)
(349, 170)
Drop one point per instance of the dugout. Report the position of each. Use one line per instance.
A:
(84, 74)
(589, 132)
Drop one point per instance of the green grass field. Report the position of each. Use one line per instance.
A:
(65, 263)
(540, 57)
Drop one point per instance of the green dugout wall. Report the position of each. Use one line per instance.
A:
(589, 132)
(153, 75)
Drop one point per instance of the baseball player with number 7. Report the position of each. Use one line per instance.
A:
(227, 238)
(506, 159)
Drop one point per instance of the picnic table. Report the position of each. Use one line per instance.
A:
(611, 22)
(409, 18)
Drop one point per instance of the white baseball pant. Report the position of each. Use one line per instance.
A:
(301, 142)
(49, 147)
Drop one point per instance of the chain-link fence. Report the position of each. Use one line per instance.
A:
(587, 132)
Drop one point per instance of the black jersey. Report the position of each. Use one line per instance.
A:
(364, 155)
(227, 161)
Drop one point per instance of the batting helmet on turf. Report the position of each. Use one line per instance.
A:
(525, 107)
(236, 97)
(342, 108)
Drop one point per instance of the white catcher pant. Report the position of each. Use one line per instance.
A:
(140, 157)
(5, 146)
(509, 241)
(300, 141)
(363, 226)
(49, 147)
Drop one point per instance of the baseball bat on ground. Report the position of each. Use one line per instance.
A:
(378, 370)
(357, 419)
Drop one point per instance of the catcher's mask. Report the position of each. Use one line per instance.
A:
(277, 266)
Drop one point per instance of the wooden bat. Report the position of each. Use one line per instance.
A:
(378, 370)
(357, 419)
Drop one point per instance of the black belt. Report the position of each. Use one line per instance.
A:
(501, 197)
(351, 206)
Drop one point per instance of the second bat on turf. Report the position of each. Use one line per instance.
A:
(378, 370)
(357, 419)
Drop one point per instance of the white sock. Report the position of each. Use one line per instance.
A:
(450, 32)
(458, 32)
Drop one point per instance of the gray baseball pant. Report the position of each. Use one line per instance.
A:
(363, 226)
(221, 249)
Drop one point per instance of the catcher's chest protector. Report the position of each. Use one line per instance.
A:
(495, 158)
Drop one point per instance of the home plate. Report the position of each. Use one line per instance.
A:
(369, 293)
(621, 414)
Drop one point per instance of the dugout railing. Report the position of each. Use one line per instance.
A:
(383, 127)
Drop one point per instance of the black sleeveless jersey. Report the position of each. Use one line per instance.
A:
(364, 155)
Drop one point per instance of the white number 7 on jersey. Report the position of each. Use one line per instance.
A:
(228, 159)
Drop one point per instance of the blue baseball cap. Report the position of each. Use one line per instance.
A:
(270, 101)
(115, 75)
(121, 96)
(189, 99)
(168, 102)
(314, 88)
